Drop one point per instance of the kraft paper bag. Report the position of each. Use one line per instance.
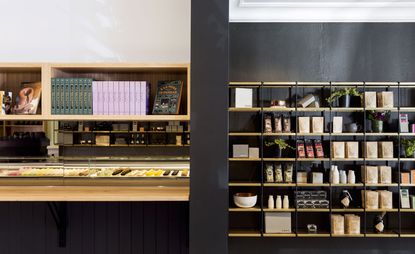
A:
(385, 199)
(317, 125)
(385, 174)
(371, 199)
(370, 174)
(371, 149)
(385, 99)
(338, 150)
(337, 124)
(352, 150)
(337, 224)
(304, 124)
(352, 224)
(370, 99)
(386, 149)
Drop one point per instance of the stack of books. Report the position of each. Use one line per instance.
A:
(120, 97)
(83, 96)
(71, 96)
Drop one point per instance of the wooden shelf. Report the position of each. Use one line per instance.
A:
(279, 210)
(279, 159)
(253, 209)
(381, 235)
(313, 184)
(244, 109)
(279, 134)
(242, 184)
(279, 235)
(393, 210)
(318, 234)
(93, 193)
(347, 210)
(279, 184)
(381, 185)
(244, 159)
(244, 233)
(348, 235)
(407, 184)
(407, 210)
(313, 210)
(244, 134)
(347, 185)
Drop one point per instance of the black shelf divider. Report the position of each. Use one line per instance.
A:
(261, 101)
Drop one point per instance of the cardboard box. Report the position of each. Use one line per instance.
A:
(304, 124)
(371, 149)
(240, 151)
(253, 152)
(243, 97)
(317, 177)
(405, 178)
(337, 124)
(338, 150)
(352, 149)
(278, 223)
(317, 124)
(301, 177)
(413, 176)
(370, 99)
(385, 149)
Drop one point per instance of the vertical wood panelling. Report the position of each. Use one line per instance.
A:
(95, 228)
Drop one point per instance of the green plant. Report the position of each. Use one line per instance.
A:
(339, 93)
(409, 146)
(279, 142)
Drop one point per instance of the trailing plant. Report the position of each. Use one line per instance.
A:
(342, 92)
(409, 146)
(378, 115)
(279, 142)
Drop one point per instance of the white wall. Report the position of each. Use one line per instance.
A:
(95, 30)
(322, 10)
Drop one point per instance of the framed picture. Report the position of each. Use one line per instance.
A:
(27, 99)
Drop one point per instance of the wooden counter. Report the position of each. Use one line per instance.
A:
(93, 193)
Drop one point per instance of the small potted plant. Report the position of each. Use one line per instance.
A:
(280, 144)
(377, 118)
(345, 97)
(409, 147)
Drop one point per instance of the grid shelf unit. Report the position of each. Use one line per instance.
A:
(254, 119)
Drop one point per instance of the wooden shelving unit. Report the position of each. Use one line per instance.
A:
(12, 75)
(252, 132)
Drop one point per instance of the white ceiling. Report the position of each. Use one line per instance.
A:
(322, 10)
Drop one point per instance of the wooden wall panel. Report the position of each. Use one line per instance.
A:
(96, 228)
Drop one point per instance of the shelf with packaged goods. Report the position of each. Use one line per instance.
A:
(327, 84)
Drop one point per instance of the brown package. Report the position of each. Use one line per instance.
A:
(277, 123)
(385, 149)
(371, 199)
(385, 199)
(337, 224)
(317, 125)
(385, 99)
(370, 99)
(304, 124)
(352, 224)
(385, 174)
(370, 174)
(371, 149)
(405, 177)
(338, 150)
(413, 176)
(352, 150)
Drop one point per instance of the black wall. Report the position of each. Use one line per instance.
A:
(96, 228)
(322, 52)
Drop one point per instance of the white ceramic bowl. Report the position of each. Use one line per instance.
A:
(245, 199)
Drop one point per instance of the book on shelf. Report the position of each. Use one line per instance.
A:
(168, 95)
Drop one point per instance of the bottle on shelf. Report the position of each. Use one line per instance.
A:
(271, 202)
(351, 177)
(334, 175)
(286, 202)
(343, 176)
(278, 202)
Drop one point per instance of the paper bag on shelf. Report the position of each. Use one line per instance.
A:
(317, 125)
(352, 224)
(304, 124)
(385, 99)
(371, 199)
(338, 151)
(370, 99)
(385, 149)
(369, 174)
(385, 199)
(352, 149)
(337, 224)
(337, 124)
(371, 149)
(385, 174)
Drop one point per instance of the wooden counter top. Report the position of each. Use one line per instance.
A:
(93, 193)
